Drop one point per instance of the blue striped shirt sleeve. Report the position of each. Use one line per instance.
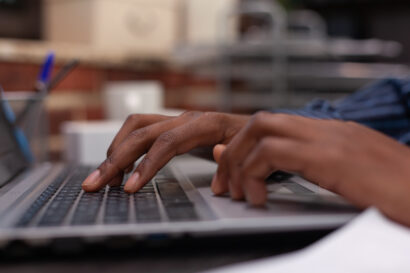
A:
(383, 106)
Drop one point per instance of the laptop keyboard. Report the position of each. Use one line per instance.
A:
(63, 202)
(42, 199)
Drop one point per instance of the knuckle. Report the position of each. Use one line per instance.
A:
(132, 118)
(211, 115)
(216, 122)
(110, 161)
(258, 120)
(139, 134)
(191, 114)
(167, 139)
(108, 164)
(281, 119)
(260, 116)
(144, 163)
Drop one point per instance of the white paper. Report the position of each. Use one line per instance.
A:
(370, 243)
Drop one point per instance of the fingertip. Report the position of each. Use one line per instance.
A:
(132, 184)
(237, 196)
(257, 202)
(129, 190)
(90, 188)
(87, 188)
(217, 151)
(216, 186)
(235, 190)
(91, 183)
(256, 193)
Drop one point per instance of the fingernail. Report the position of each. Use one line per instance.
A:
(92, 178)
(131, 185)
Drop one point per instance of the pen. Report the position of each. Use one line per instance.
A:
(61, 75)
(41, 84)
(45, 72)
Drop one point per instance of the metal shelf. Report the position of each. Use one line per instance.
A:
(324, 49)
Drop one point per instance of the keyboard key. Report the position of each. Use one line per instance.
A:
(146, 205)
(87, 208)
(116, 206)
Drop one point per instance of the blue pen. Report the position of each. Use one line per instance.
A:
(45, 72)
(18, 133)
(40, 86)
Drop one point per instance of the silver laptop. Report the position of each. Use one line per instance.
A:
(39, 204)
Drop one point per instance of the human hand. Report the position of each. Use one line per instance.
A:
(364, 166)
(161, 138)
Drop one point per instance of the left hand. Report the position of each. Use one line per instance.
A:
(364, 166)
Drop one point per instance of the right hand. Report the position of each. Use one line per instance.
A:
(160, 138)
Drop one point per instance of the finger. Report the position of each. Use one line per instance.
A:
(117, 180)
(223, 181)
(260, 125)
(273, 153)
(134, 146)
(202, 152)
(197, 133)
(132, 123)
(255, 191)
(217, 152)
(219, 185)
(270, 154)
(130, 168)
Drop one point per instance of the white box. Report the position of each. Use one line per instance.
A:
(88, 142)
(128, 26)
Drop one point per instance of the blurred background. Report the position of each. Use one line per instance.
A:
(167, 56)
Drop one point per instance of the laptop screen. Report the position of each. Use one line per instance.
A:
(12, 160)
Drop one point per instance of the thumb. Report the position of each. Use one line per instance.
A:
(218, 150)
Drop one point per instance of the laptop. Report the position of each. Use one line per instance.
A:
(43, 203)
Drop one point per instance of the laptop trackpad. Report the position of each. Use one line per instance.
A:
(294, 196)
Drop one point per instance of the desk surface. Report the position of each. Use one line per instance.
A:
(183, 255)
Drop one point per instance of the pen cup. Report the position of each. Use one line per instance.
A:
(34, 125)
